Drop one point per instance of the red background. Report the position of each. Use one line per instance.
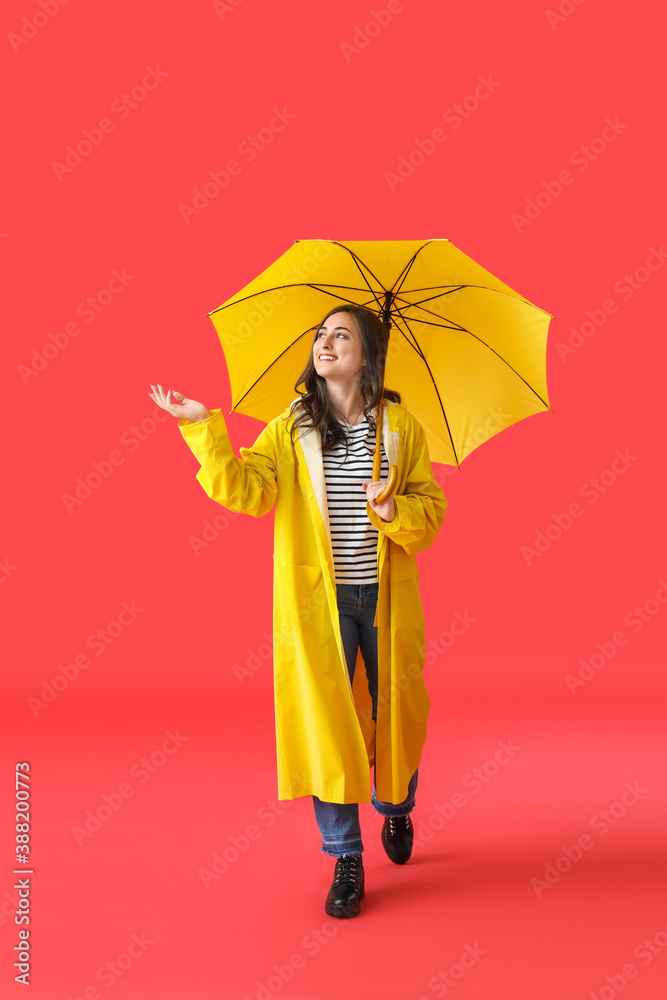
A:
(67, 573)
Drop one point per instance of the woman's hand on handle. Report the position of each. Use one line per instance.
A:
(387, 508)
(178, 405)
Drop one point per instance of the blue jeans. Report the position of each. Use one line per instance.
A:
(339, 821)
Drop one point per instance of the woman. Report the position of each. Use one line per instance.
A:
(348, 623)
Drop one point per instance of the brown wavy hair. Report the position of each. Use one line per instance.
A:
(316, 407)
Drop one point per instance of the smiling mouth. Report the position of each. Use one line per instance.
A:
(327, 357)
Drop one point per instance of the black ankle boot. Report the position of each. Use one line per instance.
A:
(397, 838)
(347, 888)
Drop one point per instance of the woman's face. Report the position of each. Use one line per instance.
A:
(337, 351)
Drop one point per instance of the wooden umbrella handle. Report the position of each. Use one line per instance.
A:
(377, 457)
(391, 484)
(377, 462)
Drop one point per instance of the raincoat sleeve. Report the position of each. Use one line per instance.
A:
(420, 510)
(248, 484)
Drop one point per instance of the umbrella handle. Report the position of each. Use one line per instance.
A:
(377, 459)
(391, 485)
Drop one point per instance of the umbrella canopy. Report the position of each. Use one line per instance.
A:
(466, 352)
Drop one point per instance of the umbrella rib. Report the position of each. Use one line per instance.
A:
(325, 291)
(484, 288)
(289, 346)
(428, 368)
(366, 304)
(450, 323)
(275, 361)
(406, 270)
(401, 278)
(403, 275)
(450, 290)
(359, 265)
(444, 324)
(396, 305)
(320, 287)
(462, 329)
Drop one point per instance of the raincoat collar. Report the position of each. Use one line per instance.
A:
(373, 410)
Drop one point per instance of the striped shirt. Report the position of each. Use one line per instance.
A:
(353, 538)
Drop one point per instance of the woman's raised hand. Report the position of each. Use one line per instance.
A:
(178, 404)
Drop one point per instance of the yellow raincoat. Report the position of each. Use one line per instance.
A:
(326, 738)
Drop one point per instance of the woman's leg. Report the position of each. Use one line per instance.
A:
(403, 808)
(339, 827)
(339, 822)
(368, 640)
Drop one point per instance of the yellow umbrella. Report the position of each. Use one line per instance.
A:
(466, 352)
